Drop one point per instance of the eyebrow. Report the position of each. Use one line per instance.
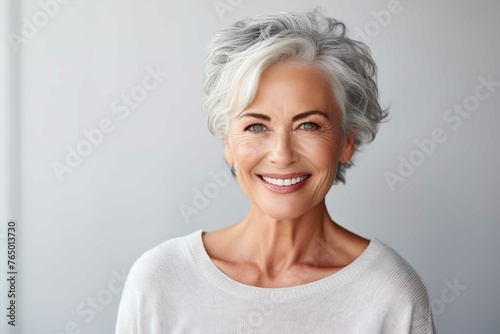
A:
(294, 118)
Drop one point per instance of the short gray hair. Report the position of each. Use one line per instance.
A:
(240, 53)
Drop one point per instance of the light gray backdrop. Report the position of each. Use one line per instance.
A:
(82, 223)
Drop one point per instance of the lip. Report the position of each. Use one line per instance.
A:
(284, 189)
(284, 176)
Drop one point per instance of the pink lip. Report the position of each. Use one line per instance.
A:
(284, 176)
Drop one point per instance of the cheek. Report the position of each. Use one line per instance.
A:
(321, 150)
(247, 149)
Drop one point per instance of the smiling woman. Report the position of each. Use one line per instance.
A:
(290, 130)
(293, 98)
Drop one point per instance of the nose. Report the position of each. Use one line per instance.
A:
(282, 150)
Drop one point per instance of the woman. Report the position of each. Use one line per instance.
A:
(293, 98)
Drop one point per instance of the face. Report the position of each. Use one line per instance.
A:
(291, 129)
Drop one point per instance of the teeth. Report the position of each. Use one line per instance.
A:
(285, 182)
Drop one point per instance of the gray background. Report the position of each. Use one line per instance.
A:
(76, 236)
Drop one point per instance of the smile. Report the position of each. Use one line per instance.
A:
(284, 182)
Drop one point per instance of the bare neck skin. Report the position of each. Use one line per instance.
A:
(276, 247)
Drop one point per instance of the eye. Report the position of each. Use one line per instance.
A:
(309, 126)
(255, 127)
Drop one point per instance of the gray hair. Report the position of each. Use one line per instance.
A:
(240, 53)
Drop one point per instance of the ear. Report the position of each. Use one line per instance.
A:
(348, 148)
(228, 154)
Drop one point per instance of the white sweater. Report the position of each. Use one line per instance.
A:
(176, 288)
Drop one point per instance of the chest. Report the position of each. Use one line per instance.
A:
(254, 277)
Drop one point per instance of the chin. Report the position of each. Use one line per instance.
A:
(282, 212)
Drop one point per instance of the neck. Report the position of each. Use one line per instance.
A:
(277, 245)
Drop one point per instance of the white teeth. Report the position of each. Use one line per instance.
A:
(285, 182)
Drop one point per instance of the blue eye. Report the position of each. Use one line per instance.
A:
(256, 127)
(309, 126)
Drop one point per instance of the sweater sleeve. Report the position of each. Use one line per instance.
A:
(422, 319)
(131, 304)
(416, 315)
(409, 310)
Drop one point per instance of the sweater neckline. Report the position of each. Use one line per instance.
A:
(327, 284)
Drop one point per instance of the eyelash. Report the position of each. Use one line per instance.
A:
(315, 125)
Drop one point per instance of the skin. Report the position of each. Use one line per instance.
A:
(286, 239)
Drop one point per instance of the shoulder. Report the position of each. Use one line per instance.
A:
(159, 264)
(151, 284)
(395, 286)
(396, 274)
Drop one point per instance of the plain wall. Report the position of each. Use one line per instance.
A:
(79, 235)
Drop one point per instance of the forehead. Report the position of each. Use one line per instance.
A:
(294, 87)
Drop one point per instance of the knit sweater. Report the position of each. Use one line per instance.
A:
(175, 287)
